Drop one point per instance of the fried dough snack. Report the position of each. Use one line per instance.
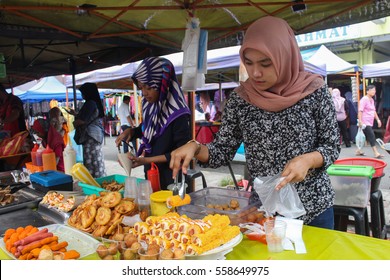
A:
(102, 215)
(112, 186)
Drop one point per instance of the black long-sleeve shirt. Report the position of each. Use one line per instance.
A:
(175, 135)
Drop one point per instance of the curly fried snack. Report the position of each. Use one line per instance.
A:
(88, 216)
(125, 206)
(103, 216)
(111, 199)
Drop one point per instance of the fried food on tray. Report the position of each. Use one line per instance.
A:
(112, 186)
(173, 232)
(111, 199)
(109, 210)
(88, 216)
(103, 216)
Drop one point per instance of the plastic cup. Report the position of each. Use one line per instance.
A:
(131, 188)
(108, 249)
(173, 255)
(143, 255)
(127, 253)
(275, 232)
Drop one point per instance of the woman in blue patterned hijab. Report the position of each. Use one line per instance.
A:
(165, 117)
(159, 75)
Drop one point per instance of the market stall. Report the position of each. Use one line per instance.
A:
(318, 244)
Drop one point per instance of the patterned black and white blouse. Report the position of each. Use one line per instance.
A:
(271, 139)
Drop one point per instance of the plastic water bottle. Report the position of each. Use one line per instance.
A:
(40, 150)
(69, 158)
(49, 159)
(34, 153)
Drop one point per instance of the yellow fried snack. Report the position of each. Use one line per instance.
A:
(175, 201)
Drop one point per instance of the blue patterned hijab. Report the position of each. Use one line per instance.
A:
(159, 74)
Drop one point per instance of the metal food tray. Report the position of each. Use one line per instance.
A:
(23, 218)
(24, 198)
(197, 209)
(59, 217)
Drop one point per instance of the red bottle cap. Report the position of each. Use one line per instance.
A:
(47, 150)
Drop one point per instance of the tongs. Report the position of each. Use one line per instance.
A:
(179, 190)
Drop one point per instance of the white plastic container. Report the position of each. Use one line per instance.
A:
(69, 159)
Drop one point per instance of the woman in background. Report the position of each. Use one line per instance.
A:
(90, 120)
(341, 115)
(55, 136)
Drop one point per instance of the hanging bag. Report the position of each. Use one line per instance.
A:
(360, 139)
(80, 135)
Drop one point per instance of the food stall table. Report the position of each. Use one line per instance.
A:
(321, 244)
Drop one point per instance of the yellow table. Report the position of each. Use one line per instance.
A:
(321, 244)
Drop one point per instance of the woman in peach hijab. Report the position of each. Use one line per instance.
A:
(285, 118)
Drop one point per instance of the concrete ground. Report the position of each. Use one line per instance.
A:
(214, 177)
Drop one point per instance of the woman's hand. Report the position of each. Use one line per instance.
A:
(379, 122)
(181, 158)
(138, 161)
(297, 169)
(126, 136)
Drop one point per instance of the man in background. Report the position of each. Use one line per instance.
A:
(125, 118)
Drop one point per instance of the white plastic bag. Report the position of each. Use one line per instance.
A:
(285, 202)
(360, 139)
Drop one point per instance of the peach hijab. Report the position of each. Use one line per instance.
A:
(274, 37)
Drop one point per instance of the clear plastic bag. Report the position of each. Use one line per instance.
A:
(285, 202)
(360, 139)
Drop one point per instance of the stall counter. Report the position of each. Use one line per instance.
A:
(321, 244)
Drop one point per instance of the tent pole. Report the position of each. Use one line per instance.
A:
(135, 95)
(73, 72)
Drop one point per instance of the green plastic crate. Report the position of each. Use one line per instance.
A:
(89, 189)
(352, 184)
(351, 170)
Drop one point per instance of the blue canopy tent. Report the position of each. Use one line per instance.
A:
(48, 88)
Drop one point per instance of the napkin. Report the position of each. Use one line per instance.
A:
(293, 235)
(125, 162)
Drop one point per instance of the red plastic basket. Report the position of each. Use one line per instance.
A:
(378, 165)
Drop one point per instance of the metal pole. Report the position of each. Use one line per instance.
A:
(72, 68)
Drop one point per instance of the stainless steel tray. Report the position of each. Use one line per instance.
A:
(23, 218)
(57, 216)
(24, 198)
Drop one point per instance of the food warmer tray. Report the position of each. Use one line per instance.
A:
(59, 217)
(23, 218)
(24, 198)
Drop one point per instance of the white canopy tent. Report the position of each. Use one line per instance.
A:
(216, 59)
(334, 64)
(376, 70)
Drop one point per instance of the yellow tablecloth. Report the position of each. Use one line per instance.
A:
(321, 244)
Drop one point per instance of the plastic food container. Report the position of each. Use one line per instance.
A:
(379, 165)
(158, 202)
(202, 199)
(351, 184)
(51, 181)
(89, 189)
